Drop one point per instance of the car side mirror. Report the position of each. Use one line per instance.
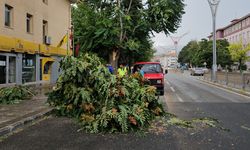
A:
(166, 71)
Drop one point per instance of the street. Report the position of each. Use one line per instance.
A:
(185, 96)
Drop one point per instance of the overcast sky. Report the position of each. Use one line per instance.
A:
(198, 21)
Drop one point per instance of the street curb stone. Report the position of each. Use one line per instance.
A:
(19, 124)
(245, 93)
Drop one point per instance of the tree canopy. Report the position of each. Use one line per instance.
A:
(239, 53)
(196, 53)
(121, 29)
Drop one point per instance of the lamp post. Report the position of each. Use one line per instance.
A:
(214, 5)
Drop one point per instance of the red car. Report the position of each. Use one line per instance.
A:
(153, 72)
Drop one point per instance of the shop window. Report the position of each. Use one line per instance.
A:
(29, 68)
(12, 69)
(2, 69)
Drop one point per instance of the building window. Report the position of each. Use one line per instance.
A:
(45, 1)
(8, 16)
(29, 23)
(45, 30)
(243, 23)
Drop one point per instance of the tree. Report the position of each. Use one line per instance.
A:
(187, 52)
(121, 29)
(196, 53)
(239, 53)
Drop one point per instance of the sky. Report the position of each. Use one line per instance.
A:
(197, 21)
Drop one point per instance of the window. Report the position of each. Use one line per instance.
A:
(45, 30)
(45, 1)
(2, 69)
(29, 23)
(29, 68)
(243, 23)
(8, 16)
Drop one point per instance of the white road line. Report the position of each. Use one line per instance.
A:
(167, 83)
(173, 90)
(225, 90)
(179, 98)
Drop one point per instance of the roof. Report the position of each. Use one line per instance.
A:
(235, 21)
(138, 63)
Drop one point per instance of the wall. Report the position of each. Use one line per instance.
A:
(57, 13)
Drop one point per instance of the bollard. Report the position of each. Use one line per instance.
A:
(243, 80)
(226, 77)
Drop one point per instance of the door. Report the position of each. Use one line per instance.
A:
(3, 69)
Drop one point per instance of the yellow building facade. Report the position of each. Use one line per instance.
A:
(30, 31)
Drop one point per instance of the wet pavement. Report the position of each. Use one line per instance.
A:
(185, 97)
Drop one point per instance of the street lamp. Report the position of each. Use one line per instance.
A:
(214, 5)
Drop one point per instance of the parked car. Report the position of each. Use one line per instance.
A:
(197, 71)
(154, 73)
(205, 70)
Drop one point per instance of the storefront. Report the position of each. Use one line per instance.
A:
(22, 68)
(8, 68)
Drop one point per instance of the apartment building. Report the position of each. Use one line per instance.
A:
(238, 30)
(32, 39)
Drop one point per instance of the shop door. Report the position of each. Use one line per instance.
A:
(2, 69)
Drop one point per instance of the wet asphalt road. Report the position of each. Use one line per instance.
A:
(185, 96)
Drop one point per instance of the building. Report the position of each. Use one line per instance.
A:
(168, 60)
(238, 30)
(30, 33)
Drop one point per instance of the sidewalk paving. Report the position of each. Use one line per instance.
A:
(15, 116)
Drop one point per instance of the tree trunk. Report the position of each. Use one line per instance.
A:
(113, 58)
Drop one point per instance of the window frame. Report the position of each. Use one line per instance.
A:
(8, 9)
(29, 23)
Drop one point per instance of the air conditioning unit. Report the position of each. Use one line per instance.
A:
(47, 40)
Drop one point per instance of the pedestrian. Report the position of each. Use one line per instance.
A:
(140, 71)
(110, 68)
(122, 71)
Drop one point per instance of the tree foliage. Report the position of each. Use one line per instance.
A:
(103, 102)
(121, 29)
(11, 95)
(196, 53)
(239, 53)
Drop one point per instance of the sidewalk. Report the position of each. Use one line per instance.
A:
(16, 116)
(239, 91)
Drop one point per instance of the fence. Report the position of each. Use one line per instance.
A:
(232, 79)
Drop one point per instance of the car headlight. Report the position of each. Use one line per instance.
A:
(158, 81)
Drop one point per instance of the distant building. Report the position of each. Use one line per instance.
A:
(237, 30)
(169, 59)
(33, 39)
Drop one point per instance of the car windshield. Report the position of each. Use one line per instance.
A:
(148, 68)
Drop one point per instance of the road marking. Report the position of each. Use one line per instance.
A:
(225, 90)
(172, 89)
(167, 83)
(179, 98)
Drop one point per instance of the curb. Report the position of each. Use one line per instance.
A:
(19, 124)
(242, 92)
